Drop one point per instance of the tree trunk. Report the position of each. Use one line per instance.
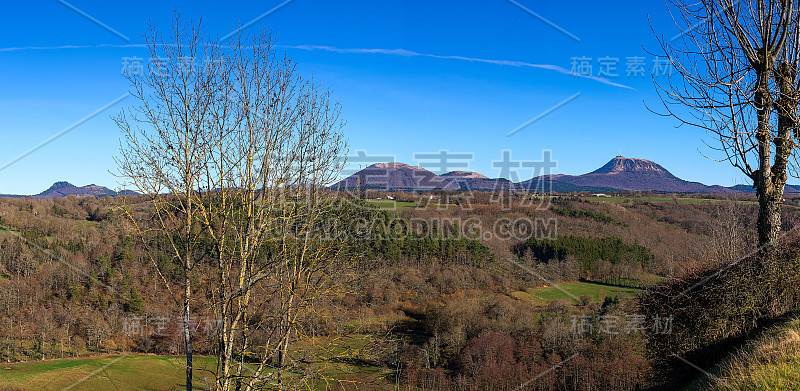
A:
(769, 216)
(772, 179)
(187, 336)
(283, 348)
(769, 195)
(187, 265)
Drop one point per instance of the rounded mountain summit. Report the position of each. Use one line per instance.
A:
(620, 173)
(625, 173)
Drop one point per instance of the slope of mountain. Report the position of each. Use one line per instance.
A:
(464, 175)
(551, 184)
(394, 176)
(63, 189)
(634, 174)
(467, 180)
(788, 189)
(620, 173)
(400, 176)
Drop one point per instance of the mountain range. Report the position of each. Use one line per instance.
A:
(620, 173)
(63, 189)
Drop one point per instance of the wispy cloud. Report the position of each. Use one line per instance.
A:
(393, 52)
(61, 47)
(409, 53)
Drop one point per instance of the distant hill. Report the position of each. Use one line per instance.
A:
(624, 173)
(63, 189)
(464, 175)
(467, 180)
(551, 184)
(394, 176)
(788, 189)
(400, 176)
(620, 173)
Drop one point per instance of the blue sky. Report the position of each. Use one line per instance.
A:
(412, 77)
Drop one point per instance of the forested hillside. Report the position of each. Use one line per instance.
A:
(444, 291)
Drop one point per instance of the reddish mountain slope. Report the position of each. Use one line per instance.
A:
(393, 176)
(620, 173)
(62, 189)
(467, 180)
(635, 174)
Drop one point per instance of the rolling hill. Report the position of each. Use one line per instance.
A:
(467, 180)
(620, 173)
(623, 173)
(64, 189)
(394, 176)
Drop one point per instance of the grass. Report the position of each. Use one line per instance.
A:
(391, 204)
(344, 364)
(6, 229)
(769, 361)
(377, 320)
(542, 295)
(119, 373)
(85, 223)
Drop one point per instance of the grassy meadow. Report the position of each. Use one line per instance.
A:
(119, 373)
(540, 296)
(153, 372)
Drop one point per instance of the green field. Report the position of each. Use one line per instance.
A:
(6, 229)
(542, 295)
(85, 223)
(391, 204)
(151, 372)
(119, 373)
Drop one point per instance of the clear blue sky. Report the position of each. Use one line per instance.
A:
(460, 81)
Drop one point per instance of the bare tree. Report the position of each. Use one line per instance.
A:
(731, 232)
(269, 212)
(736, 68)
(163, 153)
(235, 151)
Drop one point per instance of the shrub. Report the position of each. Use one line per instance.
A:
(709, 309)
(557, 305)
(610, 300)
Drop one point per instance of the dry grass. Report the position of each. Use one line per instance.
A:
(771, 361)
